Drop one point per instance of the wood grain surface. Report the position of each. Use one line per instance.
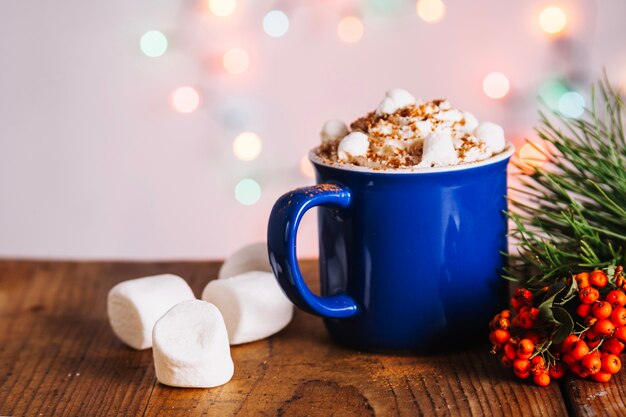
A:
(59, 357)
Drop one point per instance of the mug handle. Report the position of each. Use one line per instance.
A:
(281, 244)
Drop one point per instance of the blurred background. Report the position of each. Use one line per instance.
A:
(167, 129)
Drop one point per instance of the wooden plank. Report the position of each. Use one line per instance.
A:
(593, 399)
(59, 357)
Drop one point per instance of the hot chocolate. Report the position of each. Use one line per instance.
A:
(405, 133)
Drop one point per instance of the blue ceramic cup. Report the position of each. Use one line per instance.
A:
(408, 260)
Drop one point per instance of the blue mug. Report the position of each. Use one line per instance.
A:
(409, 261)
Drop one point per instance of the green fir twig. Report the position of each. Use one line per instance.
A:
(570, 214)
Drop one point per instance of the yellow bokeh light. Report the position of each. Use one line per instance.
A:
(533, 155)
(236, 61)
(247, 146)
(185, 99)
(431, 11)
(350, 29)
(306, 167)
(552, 20)
(496, 85)
(222, 8)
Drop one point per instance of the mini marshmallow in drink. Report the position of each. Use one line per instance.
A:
(492, 135)
(438, 150)
(354, 144)
(395, 99)
(332, 130)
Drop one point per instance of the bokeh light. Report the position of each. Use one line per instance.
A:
(572, 105)
(496, 85)
(350, 29)
(552, 20)
(431, 11)
(306, 167)
(275, 23)
(531, 155)
(222, 8)
(385, 7)
(247, 192)
(153, 43)
(247, 146)
(236, 61)
(551, 92)
(185, 99)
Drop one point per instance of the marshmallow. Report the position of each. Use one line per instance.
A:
(424, 127)
(355, 144)
(333, 130)
(492, 135)
(134, 306)
(191, 346)
(251, 257)
(395, 99)
(253, 304)
(449, 115)
(438, 150)
(471, 122)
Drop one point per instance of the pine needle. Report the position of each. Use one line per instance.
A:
(570, 214)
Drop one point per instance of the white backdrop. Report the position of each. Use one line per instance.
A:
(95, 164)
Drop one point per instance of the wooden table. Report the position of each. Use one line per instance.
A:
(58, 356)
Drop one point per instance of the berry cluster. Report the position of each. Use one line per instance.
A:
(538, 342)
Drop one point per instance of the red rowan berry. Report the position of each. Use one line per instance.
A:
(601, 309)
(598, 278)
(611, 364)
(521, 365)
(601, 376)
(620, 334)
(501, 336)
(521, 375)
(510, 351)
(579, 350)
(583, 310)
(612, 345)
(582, 280)
(542, 379)
(557, 371)
(616, 298)
(525, 346)
(604, 327)
(618, 316)
(569, 341)
(588, 295)
(592, 362)
(538, 365)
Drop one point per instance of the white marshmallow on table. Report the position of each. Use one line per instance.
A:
(492, 135)
(471, 122)
(354, 144)
(191, 346)
(333, 129)
(395, 99)
(134, 306)
(251, 257)
(253, 305)
(438, 150)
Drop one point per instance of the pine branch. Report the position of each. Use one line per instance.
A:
(571, 214)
